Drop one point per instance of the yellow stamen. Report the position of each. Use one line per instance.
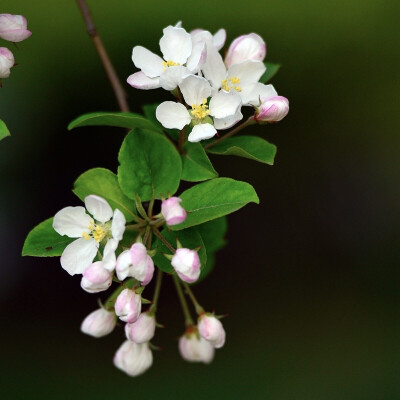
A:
(228, 84)
(85, 236)
(170, 63)
(200, 111)
(98, 233)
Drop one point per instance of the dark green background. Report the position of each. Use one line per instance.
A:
(310, 278)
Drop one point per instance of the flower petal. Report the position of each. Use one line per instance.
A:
(202, 132)
(195, 89)
(139, 80)
(172, 77)
(219, 39)
(176, 44)
(256, 93)
(78, 255)
(247, 71)
(225, 123)
(173, 115)
(224, 104)
(99, 208)
(198, 57)
(109, 258)
(72, 221)
(148, 62)
(246, 47)
(118, 225)
(124, 261)
(214, 68)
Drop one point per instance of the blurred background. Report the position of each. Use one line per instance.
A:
(310, 278)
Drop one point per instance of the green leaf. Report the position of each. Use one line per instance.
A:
(104, 183)
(149, 111)
(44, 241)
(252, 147)
(189, 238)
(272, 69)
(118, 119)
(148, 161)
(213, 199)
(4, 132)
(196, 166)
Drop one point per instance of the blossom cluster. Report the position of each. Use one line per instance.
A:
(13, 28)
(214, 89)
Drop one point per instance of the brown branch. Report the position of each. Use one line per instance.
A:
(118, 89)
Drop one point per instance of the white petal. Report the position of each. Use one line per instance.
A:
(176, 45)
(118, 225)
(78, 255)
(148, 62)
(72, 221)
(109, 259)
(99, 208)
(251, 94)
(173, 115)
(195, 89)
(225, 123)
(178, 24)
(139, 80)
(224, 104)
(219, 39)
(172, 77)
(200, 35)
(123, 263)
(214, 68)
(247, 71)
(198, 57)
(201, 132)
(246, 47)
(267, 91)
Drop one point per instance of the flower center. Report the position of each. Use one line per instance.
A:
(97, 232)
(231, 83)
(200, 111)
(170, 63)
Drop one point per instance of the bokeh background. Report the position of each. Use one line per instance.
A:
(310, 278)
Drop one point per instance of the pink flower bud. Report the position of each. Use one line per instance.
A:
(244, 48)
(186, 264)
(135, 263)
(128, 306)
(142, 330)
(13, 28)
(172, 211)
(99, 323)
(96, 278)
(6, 62)
(211, 329)
(195, 349)
(133, 358)
(272, 109)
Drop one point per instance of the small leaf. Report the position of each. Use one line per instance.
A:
(213, 199)
(44, 241)
(4, 132)
(189, 238)
(148, 161)
(252, 147)
(196, 166)
(118, 119)
(104, 183)
(149, 111)
(272, 69)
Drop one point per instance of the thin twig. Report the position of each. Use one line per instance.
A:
(118, 89)
(157, 289)
(197, 306)
(188, 318)
(162, 238)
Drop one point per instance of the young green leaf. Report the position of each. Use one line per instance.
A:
(148, 162)
(272, 69)
(213, 199)
(44, 241)
(104, 183)
(4, 132)
(252, 147)
(118, 119)
(196, 166)
(149, 111)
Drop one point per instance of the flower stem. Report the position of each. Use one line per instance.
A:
(157, 289)
(188, 318)
(250, 121)
(182, 139)
(197, 306)
(162, 238)
(118, 89)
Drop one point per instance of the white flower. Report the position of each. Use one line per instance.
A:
(187, 265)
(96, 278)
(211, 329)
(133, 358)
(195, 91)
(195, 349)
(74, 222)
(269, 106)
(13, 28)
(99, 323)
(128, 306)
(246, 47)
(142, 330)
(180, 58)
(6, 62)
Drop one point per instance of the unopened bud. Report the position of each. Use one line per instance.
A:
(186, 263)
(99, 323)
(244, 48)
(272, 109)
(172, 211)
(13, 28)
(128, 306)
(96, 278)
(142, 330)
(211, 329)
(6, 62)
(133, 358)
(195, 349)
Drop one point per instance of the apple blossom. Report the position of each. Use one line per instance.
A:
(186, 263)
(6, 62)
(244, 48)
(90, 232)
(136, 263)
(195, 349)
(270, 107)
(13, 28)
(96, 278)
(172, 211)
(133, 358)
(142, 330)
(99, 323)
(128, 306)
(211, 329)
